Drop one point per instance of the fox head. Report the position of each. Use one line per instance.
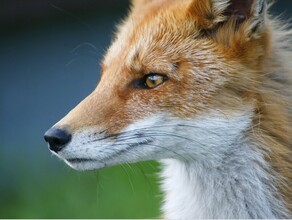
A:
(179, 81)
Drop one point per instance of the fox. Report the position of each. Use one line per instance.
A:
(203, 87)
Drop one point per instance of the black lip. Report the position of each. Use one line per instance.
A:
(80, 160)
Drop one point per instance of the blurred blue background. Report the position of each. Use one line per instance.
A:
(49, 61)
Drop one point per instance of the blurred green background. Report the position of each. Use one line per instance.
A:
(49, 61)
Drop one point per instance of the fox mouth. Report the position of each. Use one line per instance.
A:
(113, 155)
(101, 161)
(80, 160)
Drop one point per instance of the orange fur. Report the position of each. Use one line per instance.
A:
(234, 65)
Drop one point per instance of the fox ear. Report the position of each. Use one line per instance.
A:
(210, 13)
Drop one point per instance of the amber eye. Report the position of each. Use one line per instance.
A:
(153, 81)
(150, 81)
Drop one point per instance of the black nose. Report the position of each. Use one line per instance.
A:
(57, 139)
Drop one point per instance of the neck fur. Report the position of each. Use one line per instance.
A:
(239, 187)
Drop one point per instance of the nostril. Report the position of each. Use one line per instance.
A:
(57, 138)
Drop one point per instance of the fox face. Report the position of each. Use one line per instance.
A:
(179, 81)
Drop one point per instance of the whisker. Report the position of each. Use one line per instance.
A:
(98, 185)
(152, 135)
(153, 145)
(129, 177)
(172, 151)
(145, 176)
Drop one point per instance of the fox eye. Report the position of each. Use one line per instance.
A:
(151, 81)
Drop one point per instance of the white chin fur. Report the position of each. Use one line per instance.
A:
(85, 166)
